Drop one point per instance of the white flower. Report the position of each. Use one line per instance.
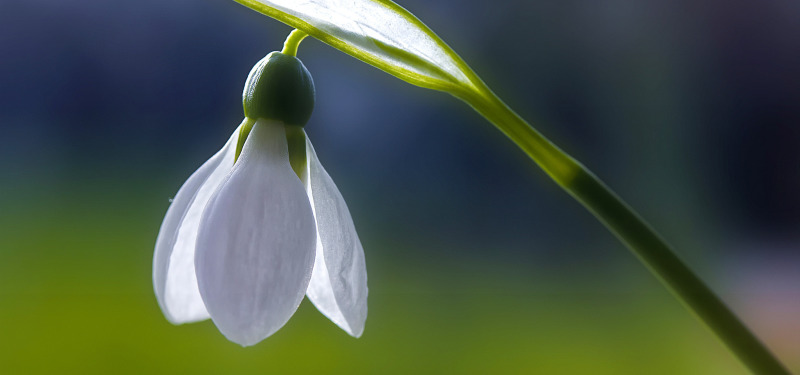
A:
(243, 242)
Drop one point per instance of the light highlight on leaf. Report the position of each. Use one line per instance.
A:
(381, 33)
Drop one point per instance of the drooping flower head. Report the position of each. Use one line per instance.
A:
(261, 223)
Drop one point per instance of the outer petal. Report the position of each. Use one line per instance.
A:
(173, 262)
(255, 247)
(339, 281)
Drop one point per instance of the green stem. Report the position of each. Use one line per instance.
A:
(292, 42)
(632, 230)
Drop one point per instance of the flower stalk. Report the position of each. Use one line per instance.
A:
(293, 42)
(632, 230)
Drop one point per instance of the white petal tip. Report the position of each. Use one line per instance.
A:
(243, 341)
(357, 334)
(187, 320)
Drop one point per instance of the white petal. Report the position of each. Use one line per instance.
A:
(339, 282)
(173, 263)
(255, 247)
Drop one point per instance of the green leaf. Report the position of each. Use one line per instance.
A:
(380, 33)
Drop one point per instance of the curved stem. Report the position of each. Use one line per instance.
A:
(632, 230)
(292, 42)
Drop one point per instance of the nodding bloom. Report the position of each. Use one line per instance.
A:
(261, 223)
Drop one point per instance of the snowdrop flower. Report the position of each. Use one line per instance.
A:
(261, 223)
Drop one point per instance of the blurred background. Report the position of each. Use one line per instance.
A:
(477, 262)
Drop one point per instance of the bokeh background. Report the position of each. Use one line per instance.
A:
(477, 263)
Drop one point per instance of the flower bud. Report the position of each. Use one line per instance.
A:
(280, 88)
